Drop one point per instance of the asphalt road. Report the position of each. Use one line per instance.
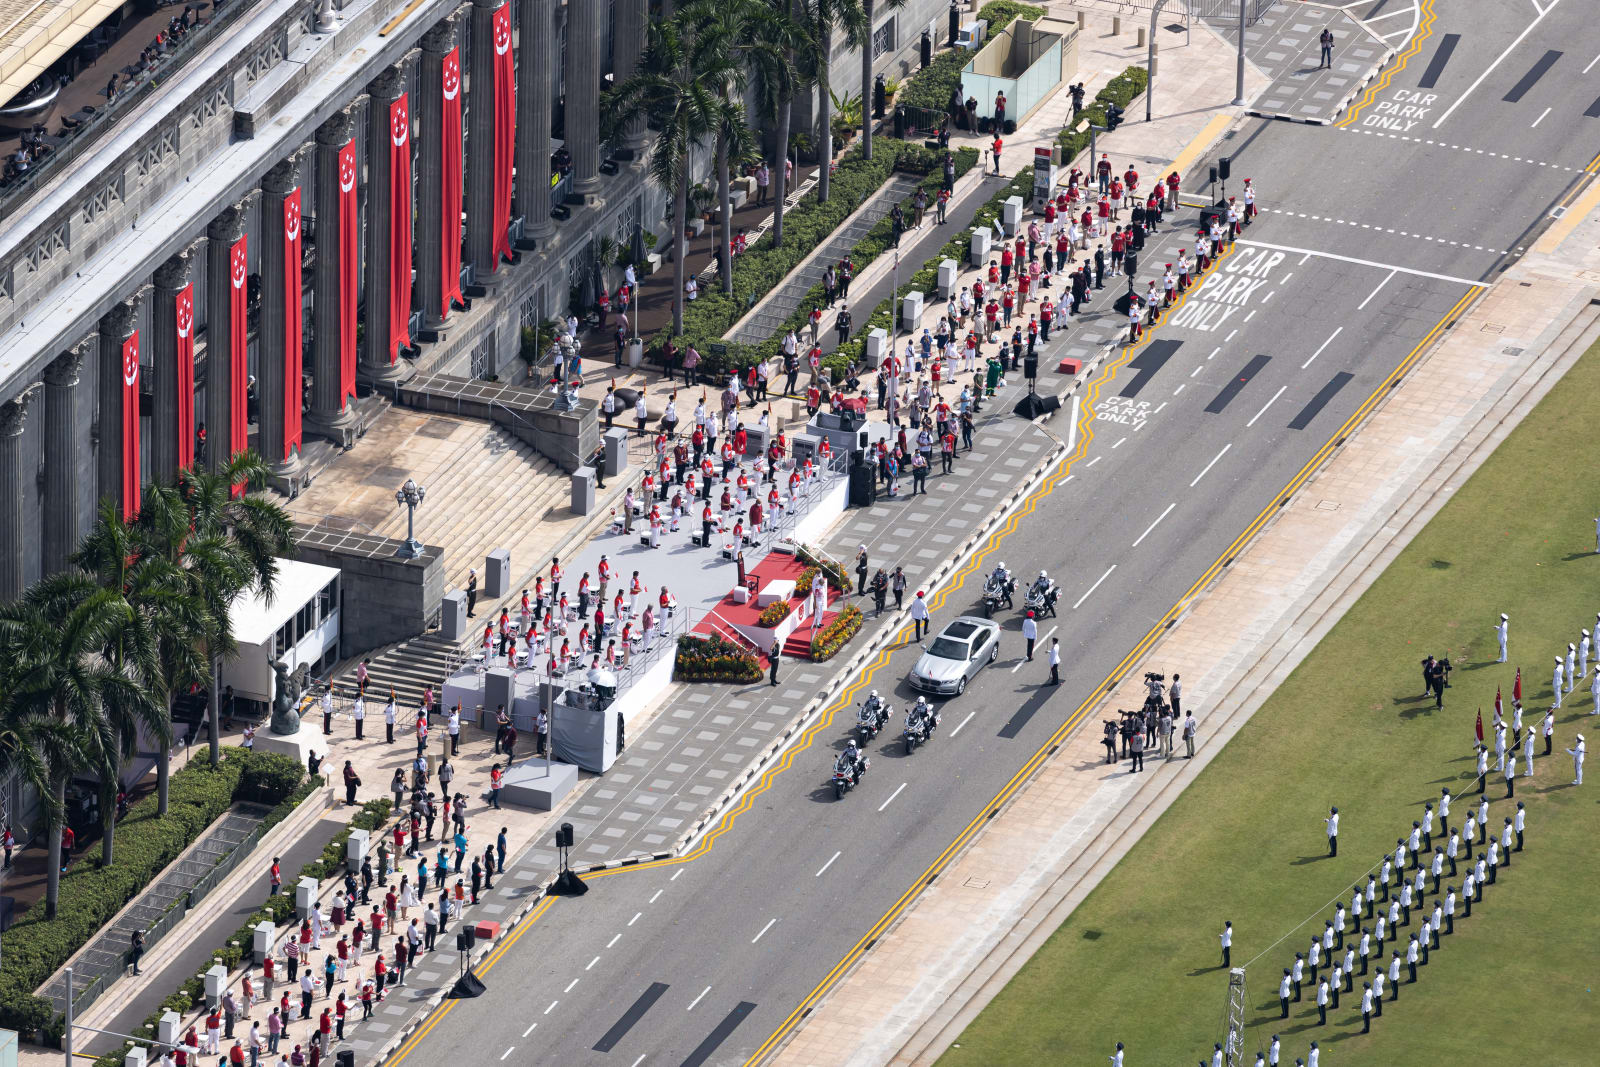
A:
(1186, 444)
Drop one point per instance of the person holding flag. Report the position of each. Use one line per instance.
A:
(1480, 725)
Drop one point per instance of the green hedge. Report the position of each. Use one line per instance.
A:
(90, 896)
(930, 87)
(926, 279)
(807, 225)
(1121, 90)
(279, 909)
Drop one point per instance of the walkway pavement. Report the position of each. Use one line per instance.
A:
(1284, 43)
(954, 949)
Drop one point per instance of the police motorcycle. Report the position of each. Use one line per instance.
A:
(848, 769)
(922, 719)
(998, 590)
(872, 715)
(1041, 596)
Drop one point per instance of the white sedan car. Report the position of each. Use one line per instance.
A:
(959, 651)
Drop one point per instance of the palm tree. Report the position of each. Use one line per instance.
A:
(827, 17)
(865, 43)
(238, 541)
(55, 638)
(734, 139)
(676, 87)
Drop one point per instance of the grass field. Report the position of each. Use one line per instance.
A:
(1139, 960)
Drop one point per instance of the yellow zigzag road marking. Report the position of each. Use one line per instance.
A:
(1423, 33)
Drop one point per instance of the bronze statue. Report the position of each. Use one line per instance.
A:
(286, 703)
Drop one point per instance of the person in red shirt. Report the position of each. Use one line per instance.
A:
(1116, 197)
(995, 148)
(68, 839)
(1005, 264)
(340, 1009)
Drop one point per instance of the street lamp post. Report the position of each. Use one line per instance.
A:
(409, 496)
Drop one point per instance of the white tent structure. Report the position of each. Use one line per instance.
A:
(298, 627)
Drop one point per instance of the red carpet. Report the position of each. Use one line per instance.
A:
(777, 566)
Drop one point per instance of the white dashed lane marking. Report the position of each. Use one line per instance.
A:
(1463, 148)
(1397, 233)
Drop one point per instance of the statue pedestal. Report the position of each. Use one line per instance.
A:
(300, 744)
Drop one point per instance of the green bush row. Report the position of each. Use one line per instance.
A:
(926, 279)
(930, 87)
(90, 896)
(279, 909)
(1121, 91)
(806, 226)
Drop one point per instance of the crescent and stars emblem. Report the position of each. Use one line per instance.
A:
(347, 170)
(130, 362)
(291, 216)
(238, 267)
(452, 75)
(185, 312)
(399, 125)
(502, 30)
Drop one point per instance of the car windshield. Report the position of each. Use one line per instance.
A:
(944, 648)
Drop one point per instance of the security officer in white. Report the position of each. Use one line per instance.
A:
(1507, 836)
(1555, 681)
(1413, 954)
(1227, 943)
(1340, 975)
(1283, 994)
(1436, 921)
(1493, 858)
(1427, 825)
(1349, 968)
(1500, 633)
(1366, 1007)
(1450, 911)
(1548, 727)
(1273, 1052)
(1414, 842)
(1444, 811)
(1377, 991)
(1371, 893)
(1451, 849)
(1594, 690)
(1332, 826)
(1313, 1055)
(1436, 868)
(1577, 752)
(1469, 887)
(1483, 768)
(1314, 959)
(1327, 943)
(1520, 824)
(1583, 652)
(1322, 1002)
(1366, 949)
(1338, 925)
(1572, 665)
(1394, 974)
(1298, 972)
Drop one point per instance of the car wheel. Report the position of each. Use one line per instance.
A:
(961, 686)
(994, 653)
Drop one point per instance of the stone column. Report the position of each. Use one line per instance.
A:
(13, 413)
(271, 385)
(375, 366)
(536, 66)
(586, 29)
(116, 326)
(627, 46)
(330, 415)
(431, 208)
(221, 234)
(479, 178)
(165, 448)
(63, 451)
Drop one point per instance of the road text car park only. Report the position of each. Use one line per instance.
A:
(1403, 110)
(1228, 291)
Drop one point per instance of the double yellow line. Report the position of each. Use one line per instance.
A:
(1424, 31)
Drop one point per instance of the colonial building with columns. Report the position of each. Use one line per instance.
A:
(327, 196)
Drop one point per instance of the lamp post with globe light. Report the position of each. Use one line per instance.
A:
(409, 496)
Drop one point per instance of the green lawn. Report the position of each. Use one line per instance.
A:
(1139, 962)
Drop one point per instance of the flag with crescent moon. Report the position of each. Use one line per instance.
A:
(293, 308)
(130, 426)
(185, 316)
(238, 428)
(349, 271)
(450, 211)
(399, 226)
(505, 132)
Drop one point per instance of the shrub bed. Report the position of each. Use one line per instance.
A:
(808, 224)
(279, 909)
(926, 279)
(826, 643)
(36, 947)
(832, 569)
(714, 659)
(931, 86)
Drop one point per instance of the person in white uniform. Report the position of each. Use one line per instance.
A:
(1501, 632)
(1577, 752)
(1555, 681)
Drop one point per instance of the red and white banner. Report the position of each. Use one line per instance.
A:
(450, 211)
(349, 271)
(505, 132)
(399, 227)
(238, 428)
(293, 308)
(130, 426)
(185, 316)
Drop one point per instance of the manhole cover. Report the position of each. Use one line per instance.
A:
(1494, 327)
(1512, 351)
(1175, 27)
(976, 883)
(1327, 505)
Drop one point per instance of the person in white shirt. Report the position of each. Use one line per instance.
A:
(919, 615)
(1116, 1058)
(1055, 661)
(1501, 632)
(1577, 752)
(1555, 681)
(1227, 943)
(1332, 826)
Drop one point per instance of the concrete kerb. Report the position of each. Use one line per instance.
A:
(886, 635)
(1253, 684)
(1357, 90)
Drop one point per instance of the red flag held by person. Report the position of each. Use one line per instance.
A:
(1480, 726)
(1516, 688)
(505, 132)
(450, 212)
(1499, 709)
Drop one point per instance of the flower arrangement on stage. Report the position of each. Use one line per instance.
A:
(827, 642)
(774, 613)
(714, 659)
